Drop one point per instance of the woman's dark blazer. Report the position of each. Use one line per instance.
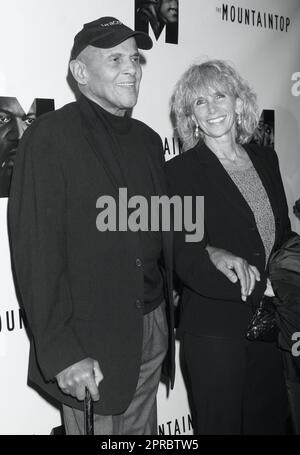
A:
(211, 304)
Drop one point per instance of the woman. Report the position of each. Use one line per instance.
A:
(236, 386)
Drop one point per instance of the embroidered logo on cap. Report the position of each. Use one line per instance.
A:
(109, 24)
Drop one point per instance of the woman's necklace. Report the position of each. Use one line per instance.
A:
(240, 160)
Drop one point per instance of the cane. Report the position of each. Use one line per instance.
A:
(88, 414)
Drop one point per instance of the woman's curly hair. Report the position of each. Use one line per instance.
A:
(221, 76)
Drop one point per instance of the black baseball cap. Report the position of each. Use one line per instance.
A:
(107, 32)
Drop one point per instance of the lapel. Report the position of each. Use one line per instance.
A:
(160, 188)
(217, 179)
(265, 173)
(98, 132)
(224, 184)
(95, 133)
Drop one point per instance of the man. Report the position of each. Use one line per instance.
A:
(96, 300)
(168, 11)
(13, 123)
(264, 132)
(159, 13)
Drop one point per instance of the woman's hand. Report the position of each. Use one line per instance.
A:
(269, 290)
(235, 268)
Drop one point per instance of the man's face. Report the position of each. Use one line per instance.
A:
(169, 11)
(113, 76)
(268, 135)
(13, 123)
(264, 134)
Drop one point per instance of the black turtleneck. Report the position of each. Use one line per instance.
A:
(131, 154)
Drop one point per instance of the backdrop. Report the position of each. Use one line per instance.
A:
(261, 39)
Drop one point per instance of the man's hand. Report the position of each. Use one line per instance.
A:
(76, 378)
(235, 268)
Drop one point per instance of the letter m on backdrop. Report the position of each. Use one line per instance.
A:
(147, 12)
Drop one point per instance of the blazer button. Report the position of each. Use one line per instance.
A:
(139, 304)
(256, 253)
(138, 262)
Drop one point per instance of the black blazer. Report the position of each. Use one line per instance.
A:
(211, 304)
(82, 289)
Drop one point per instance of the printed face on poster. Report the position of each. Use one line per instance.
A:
(13, 122)
(158, 15)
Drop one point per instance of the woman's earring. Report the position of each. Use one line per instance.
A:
(238, 119)
(197, 132)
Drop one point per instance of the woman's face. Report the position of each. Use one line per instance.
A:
(215, 112)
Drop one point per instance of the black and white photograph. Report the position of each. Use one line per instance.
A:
(150, 222)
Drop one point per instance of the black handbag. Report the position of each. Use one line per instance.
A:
(263, 325)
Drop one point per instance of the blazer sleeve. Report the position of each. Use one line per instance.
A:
(37, 225)
(191, 260)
